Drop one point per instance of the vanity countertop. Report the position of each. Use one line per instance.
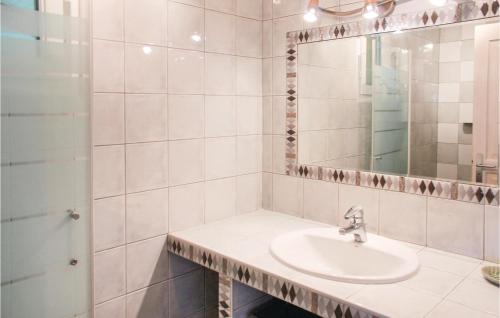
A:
(447, 285)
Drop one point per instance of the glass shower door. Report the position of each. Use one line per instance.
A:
(45, 152)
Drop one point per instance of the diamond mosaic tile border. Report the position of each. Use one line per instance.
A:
(420, 186)
(273, 285)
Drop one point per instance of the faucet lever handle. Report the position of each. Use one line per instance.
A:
(355, 212)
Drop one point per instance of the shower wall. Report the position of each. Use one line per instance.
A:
(177, 143)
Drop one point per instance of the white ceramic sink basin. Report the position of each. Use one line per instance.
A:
(323, 252)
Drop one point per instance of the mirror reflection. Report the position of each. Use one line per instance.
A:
(422, 102)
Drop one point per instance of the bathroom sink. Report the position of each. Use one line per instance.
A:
(323, 252)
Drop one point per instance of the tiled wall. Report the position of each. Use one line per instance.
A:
(177, 141)
(456, 76)
(460, 227)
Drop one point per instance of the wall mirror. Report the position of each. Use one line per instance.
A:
(421, 102)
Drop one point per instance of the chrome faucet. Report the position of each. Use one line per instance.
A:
(357, 227)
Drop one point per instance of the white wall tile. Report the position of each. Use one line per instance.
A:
(350, 196)
(109, 222)
(109, 171)
(248, 193)
(249, 154)
(147, 263)
(186, 206)
(220, 199)
(220, 157)
(249, 113)
(249, 76)
(185, 72)
(145, 69)
(113, 308)
(187, 161)
(403, 216)
(492, 234)
(108, 125)
(146, 117)
(247, 42)
(150, 302)
(147, 214)
(109, 274)
(108, 60)
(220, 74)
(227, 6)
(455, 227)
(220, 32)
(186, 116)
(249, 9)
(220, 116)
(186, 26)
(288, 195)
(147, 166)
(448, 133)
(107, 20)
(321, 200)
(146, 21)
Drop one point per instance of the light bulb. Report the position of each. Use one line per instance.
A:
(370, 11)
(438, 3)
(311, 15)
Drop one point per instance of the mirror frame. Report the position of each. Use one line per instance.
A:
(434, 187)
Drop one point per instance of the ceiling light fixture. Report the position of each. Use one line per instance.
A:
(371, 9)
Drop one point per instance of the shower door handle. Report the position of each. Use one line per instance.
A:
(73, 214)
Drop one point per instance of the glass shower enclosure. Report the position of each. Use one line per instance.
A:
(45, 159)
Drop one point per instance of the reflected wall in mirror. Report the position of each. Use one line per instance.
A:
(422, 102)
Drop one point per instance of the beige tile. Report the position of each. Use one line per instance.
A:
(249, 76)
(249, 114)
(492, 234)
(107, 20)
(452, 263)
(108, 61)
(267, 76)
(108, 171)
(146, 117)
(249, 154)
(267, 153)
(279, 115)
(280, 28)
(147, 166)
(147, 263)
(286, 8)
(187, 161)
(109, 274)
(151, 302)
(279, 76)
(395, 301)
(220, 199)
(288, 195)
(186, 116)
(433, 281)
(108, 119)
(267, 115)
(109, 223)
(220, 116)
(220, 74)
(185, 72)
(403, 217)
(249, 9)
(478, 295)
(227, 6)
(321, 201)
(220, 159)
(350, 196)
(248, 193)
(186, 206)
(220, 32)
(267, 191)
(145, 69)
(279, 152)
(456, 227)
(186, 26)
(113, 308)
(267, 9)
(147, 214)
(448, 309)
(248, 31)
(146, 21)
